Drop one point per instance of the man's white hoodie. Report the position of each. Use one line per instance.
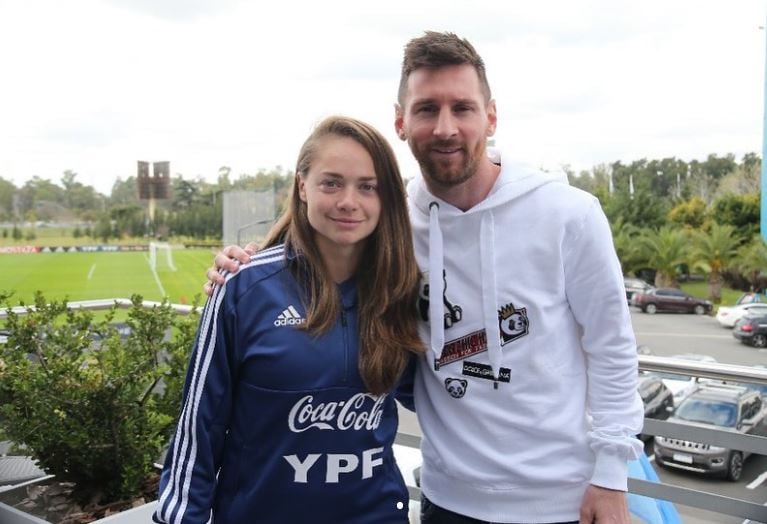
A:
(528, 393)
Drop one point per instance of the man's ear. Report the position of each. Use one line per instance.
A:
(399, 121)
(492, 118)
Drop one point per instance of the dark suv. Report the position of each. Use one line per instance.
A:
(670, 299)
(722, 406)
(751, 330)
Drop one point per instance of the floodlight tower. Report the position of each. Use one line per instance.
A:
(155, 187)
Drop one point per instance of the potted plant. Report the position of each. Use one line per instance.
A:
(93, 406)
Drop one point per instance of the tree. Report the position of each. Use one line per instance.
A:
(690, 213)
(38, 189)
(641, 210)
(103, 229)
(664, 249)
(741, 211)
(717, 167)
(81, 199)
(742, 180)
(625, 238)
(751, 261)
(714, 252)
(124, 192)
(7, 192)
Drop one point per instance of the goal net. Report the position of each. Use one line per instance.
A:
(160, 254)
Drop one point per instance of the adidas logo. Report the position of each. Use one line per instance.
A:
(289, 317)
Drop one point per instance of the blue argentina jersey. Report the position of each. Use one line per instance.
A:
(276, 425)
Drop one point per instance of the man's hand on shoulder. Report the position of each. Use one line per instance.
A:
(604, 506)
(228, 259)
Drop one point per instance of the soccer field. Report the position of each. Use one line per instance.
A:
(86, 276)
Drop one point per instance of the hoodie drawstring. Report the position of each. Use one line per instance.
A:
(489, 295)
(436, 285)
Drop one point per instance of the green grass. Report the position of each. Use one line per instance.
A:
(700, 289)
(85, 276)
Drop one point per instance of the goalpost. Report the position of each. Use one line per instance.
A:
(154, 247)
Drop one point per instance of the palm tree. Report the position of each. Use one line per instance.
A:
(625, 237)
(752, 260)
(664, 249)
(714, 252)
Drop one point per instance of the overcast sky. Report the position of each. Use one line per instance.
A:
(95, 85)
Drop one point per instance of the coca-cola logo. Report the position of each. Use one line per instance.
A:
(361, 411)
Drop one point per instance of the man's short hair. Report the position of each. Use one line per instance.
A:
(434, 50)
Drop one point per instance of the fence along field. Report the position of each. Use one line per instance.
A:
(87, 276)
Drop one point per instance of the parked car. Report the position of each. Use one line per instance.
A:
(657, 398)
(681, 386)
(751, 331)
(751, 298)
(728, 316)
(728, 407)
(635, 285)
(670, 299)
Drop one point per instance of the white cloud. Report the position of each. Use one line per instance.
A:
(93, 85)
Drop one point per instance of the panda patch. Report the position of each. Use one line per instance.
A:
(456, 387)
(513, 323)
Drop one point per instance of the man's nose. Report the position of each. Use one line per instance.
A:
(446, 125)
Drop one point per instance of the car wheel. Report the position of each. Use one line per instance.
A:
(698, 310)
(650, 309)
(734, 466)
(759, 340)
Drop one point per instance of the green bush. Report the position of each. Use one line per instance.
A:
(93, 408)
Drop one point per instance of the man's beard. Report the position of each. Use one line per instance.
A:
(448, 174)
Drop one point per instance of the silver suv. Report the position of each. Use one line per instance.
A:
(721, 406)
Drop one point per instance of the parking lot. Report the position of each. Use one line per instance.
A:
(667, 334)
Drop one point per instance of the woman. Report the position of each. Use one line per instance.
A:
(286, 416)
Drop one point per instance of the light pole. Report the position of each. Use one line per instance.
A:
(763, 221)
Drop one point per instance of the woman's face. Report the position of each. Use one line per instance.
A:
(341, 194)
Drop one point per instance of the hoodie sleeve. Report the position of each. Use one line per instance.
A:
(595, 291)
(188, 480)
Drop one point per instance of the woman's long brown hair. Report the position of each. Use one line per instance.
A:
(387, 277)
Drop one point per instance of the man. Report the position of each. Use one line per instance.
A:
(527, 399)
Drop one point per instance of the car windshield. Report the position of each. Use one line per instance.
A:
(708, 412)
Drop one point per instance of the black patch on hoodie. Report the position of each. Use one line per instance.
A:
(453, 312)
(477, 370)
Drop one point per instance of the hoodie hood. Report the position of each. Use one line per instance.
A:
(514, 181)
